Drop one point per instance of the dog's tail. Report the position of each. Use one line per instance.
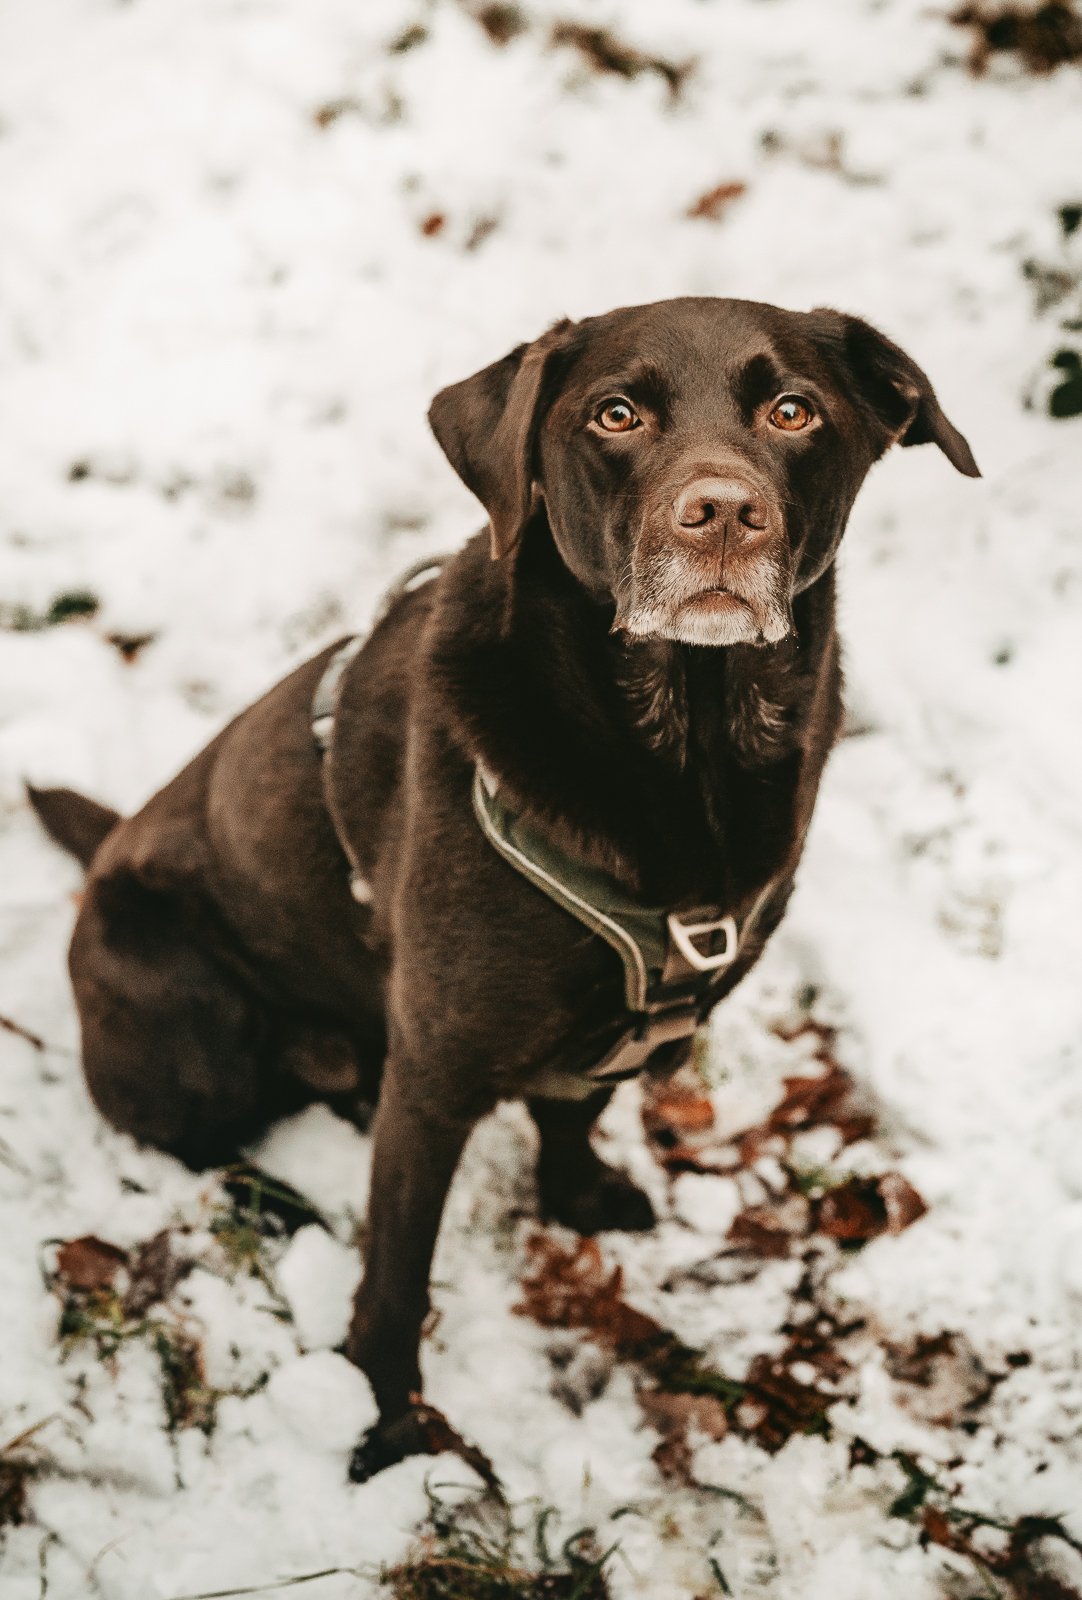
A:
(74, 821)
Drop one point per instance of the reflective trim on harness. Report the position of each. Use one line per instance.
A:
(324, 709)
(325, 699)
(501, 828)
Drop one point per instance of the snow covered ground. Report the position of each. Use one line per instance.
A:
(241, 244)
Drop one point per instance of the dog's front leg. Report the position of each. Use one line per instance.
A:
(416, 1150)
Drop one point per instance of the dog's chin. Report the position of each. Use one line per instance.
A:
(712, 617)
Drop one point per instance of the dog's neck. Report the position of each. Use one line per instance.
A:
(665, 687)
(660, 762)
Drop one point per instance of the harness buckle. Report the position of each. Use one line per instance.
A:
(636, 1045)
(684, 934)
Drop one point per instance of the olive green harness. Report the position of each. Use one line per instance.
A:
(672, 960)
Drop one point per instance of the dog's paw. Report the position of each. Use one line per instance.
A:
(387, 1443)
(420, 1431)
(610, 1200)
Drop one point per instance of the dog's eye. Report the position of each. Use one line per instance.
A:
(617, 416)
(791, 413)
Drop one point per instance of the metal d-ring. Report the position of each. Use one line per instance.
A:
(683, 935)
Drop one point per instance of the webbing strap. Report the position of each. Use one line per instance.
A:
(324, 709)
(634, 931)
(667, 968)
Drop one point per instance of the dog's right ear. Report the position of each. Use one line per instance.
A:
(486, 426)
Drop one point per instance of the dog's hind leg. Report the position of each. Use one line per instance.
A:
(174, 1046)
(575, 1186)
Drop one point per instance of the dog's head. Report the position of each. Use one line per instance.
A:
(696, 459)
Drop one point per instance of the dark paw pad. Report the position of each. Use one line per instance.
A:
(610, 1201)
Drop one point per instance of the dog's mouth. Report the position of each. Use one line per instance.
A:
(716, 602)
(715, 615)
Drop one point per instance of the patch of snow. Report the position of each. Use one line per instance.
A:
(318, 1277)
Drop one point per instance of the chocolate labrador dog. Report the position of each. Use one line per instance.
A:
(614, 704)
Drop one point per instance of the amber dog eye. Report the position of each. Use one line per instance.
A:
(791, 413)
(617, 416)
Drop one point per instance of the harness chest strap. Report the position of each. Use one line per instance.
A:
(670, 959)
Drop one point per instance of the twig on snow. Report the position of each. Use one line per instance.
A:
(276, 1585)
(9, 1025)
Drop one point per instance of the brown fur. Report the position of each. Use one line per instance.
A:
(222, 970)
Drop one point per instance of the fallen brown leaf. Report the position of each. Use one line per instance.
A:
(779, 1405)
(155, 1270)
(188, 1400)
(676, 1117)
(1042, 36)
(675, 1416)
(771, 1230)
(936, 1525)
(9, 1025)
(852, 1213)
(760, 1141)
(677, 1107)
(823, 1033)
(1015, 1561)
(685, 1158)
(903, 1204)
(439, 1435)
(715, 202)
(603, 52)
(811, 1100)
(502, 22)
(571, 1289)
(943, 1374)
(864, 1208)
(89, 1264)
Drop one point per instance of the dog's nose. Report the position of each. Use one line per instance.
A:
(722, 505)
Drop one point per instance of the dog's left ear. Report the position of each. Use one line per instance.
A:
(898, 391)
(486, 426)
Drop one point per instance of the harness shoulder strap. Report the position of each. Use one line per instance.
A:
(324, 709)
(633, 930)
